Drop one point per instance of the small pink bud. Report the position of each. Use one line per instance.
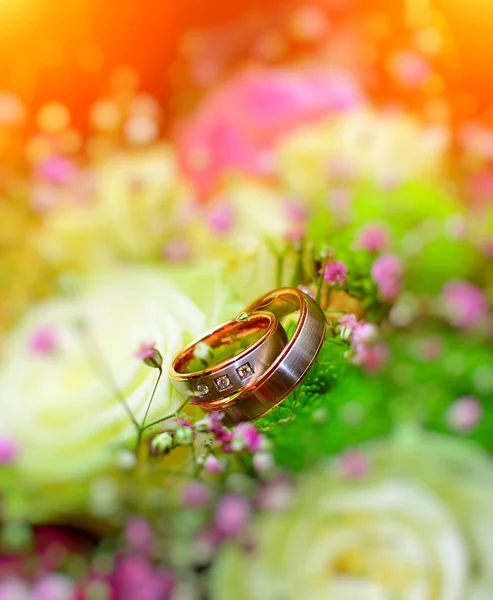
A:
(232, 515)
(354, 464)
(150, 355)
(220, 218)
(54, 587)
(196, 493)
(388, 271)
(139, 535)
(464, 414)
(372, 358)
(213, 464)
(307, 290)
(8, 450)
(43, 341)
(373, 238)
(464, 304)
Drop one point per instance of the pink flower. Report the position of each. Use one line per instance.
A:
(8, 450)
(240, 121)
(14, 588)
(213, 464)
(146, 350)
(56, 169)
(387, 271)
(464, 414)
(43, 341)
(220, 218)
(134, 577)
(347, 324)
(232, 515)
(139, 535)
(54, 587)
(372, 358)
(373, 238)
(246, 437)
(353, 464)
(335, 272)
(364, 334)
(196, 493)
(465, 305)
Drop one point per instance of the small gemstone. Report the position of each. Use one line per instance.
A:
(245, 371)
(223, 383)
(202, 389)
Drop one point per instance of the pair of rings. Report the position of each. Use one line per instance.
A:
(249, 382)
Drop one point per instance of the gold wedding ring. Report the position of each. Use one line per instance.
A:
(261, 376)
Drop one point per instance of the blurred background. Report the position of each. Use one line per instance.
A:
(67, 51)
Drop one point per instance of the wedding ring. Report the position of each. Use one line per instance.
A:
(224, 379)
(262, 394)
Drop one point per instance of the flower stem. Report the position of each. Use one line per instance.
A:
(170, 416)
(142, 426)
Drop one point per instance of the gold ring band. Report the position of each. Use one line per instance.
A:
(219, 381)
(262, 394)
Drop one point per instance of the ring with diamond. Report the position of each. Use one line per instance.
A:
(264, 338)
(262, 394)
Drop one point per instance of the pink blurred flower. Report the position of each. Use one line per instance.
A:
(8, 450)
(55, 169)
(139, 535)
(43, 340)
(54, 587)
(373, 238)
(465, 304)
(372, 358)
(246, 437)
(213, 465)
(232, 515)
(353, 464)
(335, 272)
(220, 218)
(364, 334)
(14, 588)
(387, 271)
(196, 493)
(464, 414)
(307, 290)
(347, 324)
(238, 123)
(134, 577)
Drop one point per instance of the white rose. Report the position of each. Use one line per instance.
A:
(401, 533)
(59, 404)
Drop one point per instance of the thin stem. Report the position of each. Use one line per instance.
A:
(101, 365)
(142, 426)
(320, 283)
(170, 416)
(152, 396)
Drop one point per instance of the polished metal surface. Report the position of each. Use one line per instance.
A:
(223, 380)
(263, 394)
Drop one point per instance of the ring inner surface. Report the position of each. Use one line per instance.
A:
(227, 343)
